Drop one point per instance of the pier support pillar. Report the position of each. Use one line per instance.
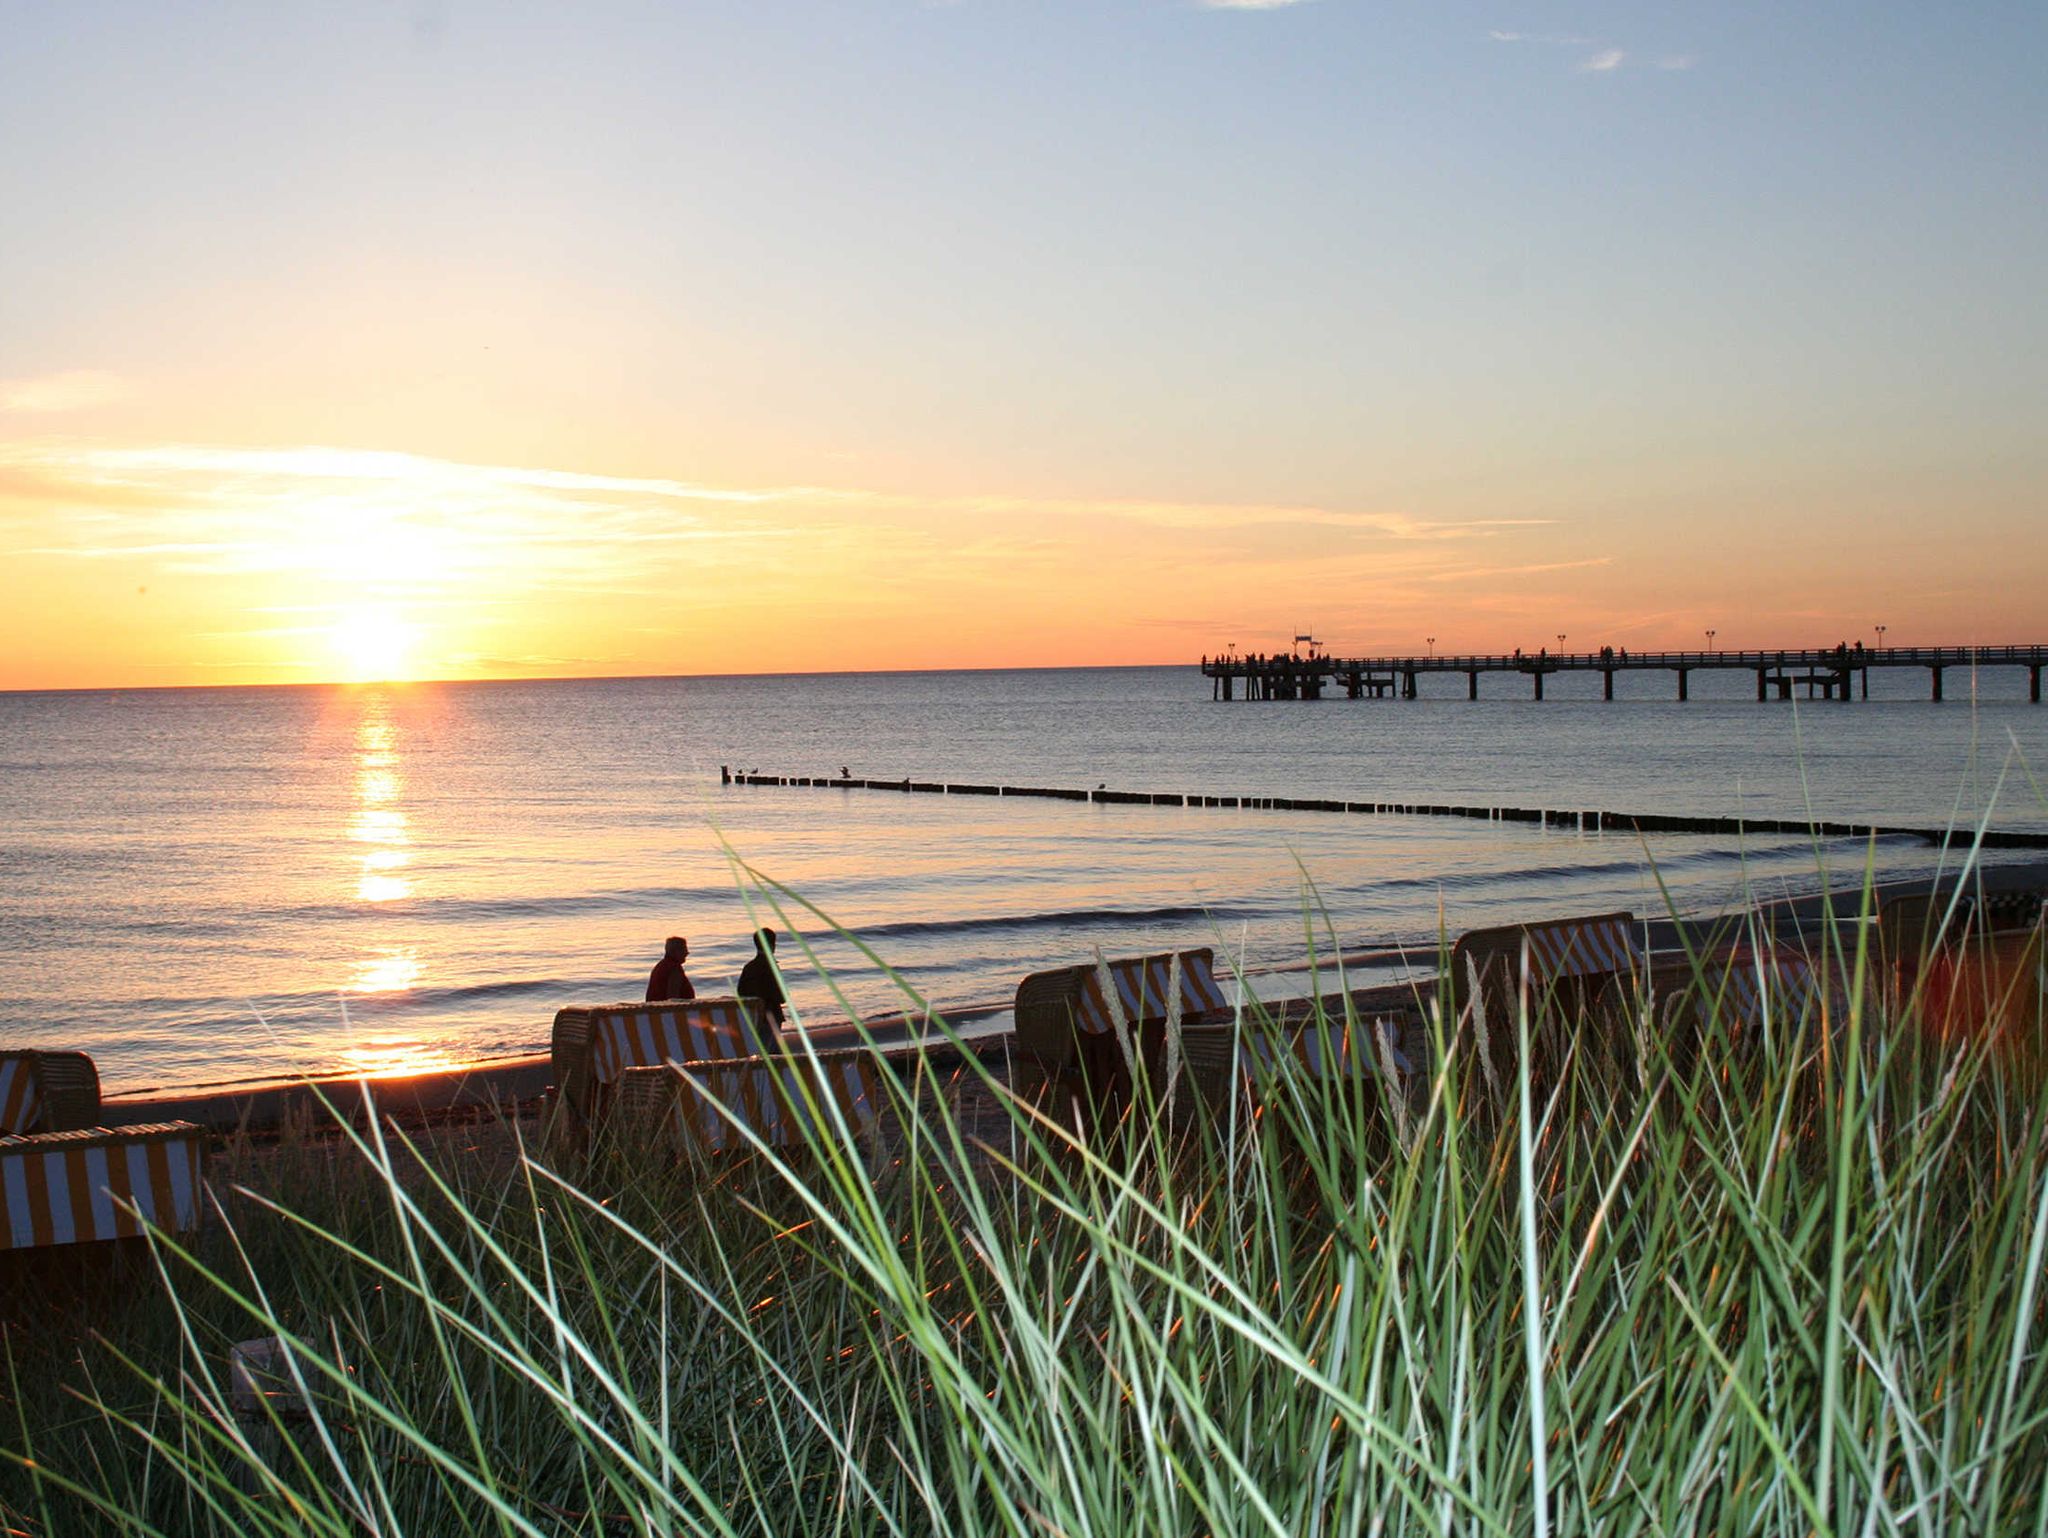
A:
(1683, 676)
(1761, 694)
(1844, 681)
(1866, 680)
(1937, 683)
(2034, 684)
(1538, 677)
(1408, 684)
(1472, 684)
(1607, 685)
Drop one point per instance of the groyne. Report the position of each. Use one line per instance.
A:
(1581, 820)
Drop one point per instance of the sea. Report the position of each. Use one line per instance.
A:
(213, 886)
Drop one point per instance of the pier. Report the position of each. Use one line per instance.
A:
(1828, 673)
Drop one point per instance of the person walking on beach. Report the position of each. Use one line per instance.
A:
(762, 990)
(668, 980)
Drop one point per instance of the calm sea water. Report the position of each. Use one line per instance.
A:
(206, 885)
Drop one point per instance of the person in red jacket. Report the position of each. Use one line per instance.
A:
(668, 980)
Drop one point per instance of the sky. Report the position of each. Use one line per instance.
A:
(458, 340)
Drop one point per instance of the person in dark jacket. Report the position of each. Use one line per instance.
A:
(668, 980)
(761, 989)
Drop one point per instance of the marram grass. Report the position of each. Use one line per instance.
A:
(1785, 1280)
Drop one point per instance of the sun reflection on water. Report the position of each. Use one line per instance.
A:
(391, 970)
(385, 1057)
(378, 823)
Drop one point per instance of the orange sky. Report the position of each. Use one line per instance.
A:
(184, 564)
(480, 342)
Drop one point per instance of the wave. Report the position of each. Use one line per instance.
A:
(1070, 918)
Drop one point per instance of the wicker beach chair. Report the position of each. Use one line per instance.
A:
(1233, 1059)
(1971, 961)
(1573, 969)
(48, 1092)
(594, 1045)
(94, 1183)
(787, 1100)
(1066, 1018)
(1732, 994)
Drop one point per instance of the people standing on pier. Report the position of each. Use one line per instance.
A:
(668, 980)
(761, 990)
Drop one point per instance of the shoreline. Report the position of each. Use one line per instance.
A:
(516, 1083)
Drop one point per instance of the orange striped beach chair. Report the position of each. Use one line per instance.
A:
(787, 1101)
(594, 1045)
(47, 1092)
(98, 1183)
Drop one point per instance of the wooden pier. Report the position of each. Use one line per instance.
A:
(1830, 673)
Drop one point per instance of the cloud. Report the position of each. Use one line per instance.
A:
(1466, 573)
(73, 390)
(1603, 61)
(1556, 39)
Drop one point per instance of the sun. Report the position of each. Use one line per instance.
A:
(374, 646)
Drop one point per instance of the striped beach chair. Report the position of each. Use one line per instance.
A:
(1970, 962)
(1059, 1014)
(1573, 967)
(594, 1045)
(1229, 1056)
(48, 1092)
(786, 1100)
(1575, 958)
(1743, 986)
(94, 1183)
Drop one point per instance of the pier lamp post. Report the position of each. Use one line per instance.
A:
(1560, 643)
(1880, 638)
(1710, 640)
(1432, 646)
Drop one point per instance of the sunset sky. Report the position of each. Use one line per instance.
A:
(462, 340)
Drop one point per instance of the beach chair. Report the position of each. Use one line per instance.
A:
(1574, 966)
(78, 1186)
(1972, 962)
(787, 1100)
(594, 1045)
(1066, 1018)
(48, 1092)
(1235, 1059)
(1731, 993)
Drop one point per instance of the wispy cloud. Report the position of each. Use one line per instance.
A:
(1467, 573)
(1556, 39)
(73, 390)
(1605, 58)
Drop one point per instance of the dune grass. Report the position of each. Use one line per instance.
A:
(1786, 1279)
